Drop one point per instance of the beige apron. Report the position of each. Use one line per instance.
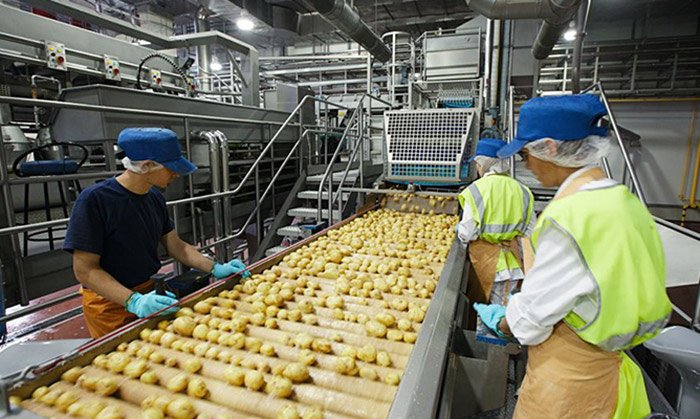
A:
(484, 257)
(567, 377)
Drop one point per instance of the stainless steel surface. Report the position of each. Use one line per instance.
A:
(14, 358)
(419, 393)
(449, 55)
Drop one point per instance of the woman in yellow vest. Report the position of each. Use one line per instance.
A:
(597, 284)
(497, 210)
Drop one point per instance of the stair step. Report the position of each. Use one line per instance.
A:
(273, 250)
(292, 231)
(306, 212)
(311, 194)
(350, 179)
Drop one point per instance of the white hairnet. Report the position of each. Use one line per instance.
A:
(141, 166)
(571, 153)
(492, 164)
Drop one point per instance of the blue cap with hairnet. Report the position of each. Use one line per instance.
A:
(564, 118)
(488, 147)
(160, 145)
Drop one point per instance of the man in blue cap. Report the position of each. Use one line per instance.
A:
(596, 286)
(116, 226)
(497, 210)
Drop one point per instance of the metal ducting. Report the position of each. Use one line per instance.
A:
(556, 15)
(343, 17)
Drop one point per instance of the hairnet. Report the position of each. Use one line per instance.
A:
(577, 153)
(141, 166)
(492, 164)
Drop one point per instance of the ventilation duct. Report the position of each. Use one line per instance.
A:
(343, 17)
(555, 13)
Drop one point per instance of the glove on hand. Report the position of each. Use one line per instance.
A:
(491, 315)
(144, 305)
(224, 270)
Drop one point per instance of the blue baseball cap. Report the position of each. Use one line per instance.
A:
(488, 147)
(160, 145)
(564, 117)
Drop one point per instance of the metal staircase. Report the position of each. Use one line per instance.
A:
(319, 200)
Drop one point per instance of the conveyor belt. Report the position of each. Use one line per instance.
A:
(328, 306)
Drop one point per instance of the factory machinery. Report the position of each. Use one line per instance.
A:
(343, 205)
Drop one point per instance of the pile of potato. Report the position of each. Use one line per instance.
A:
(326, 333)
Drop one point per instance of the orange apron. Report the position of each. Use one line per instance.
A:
(102, 315)
(484, 257)
(567, 377)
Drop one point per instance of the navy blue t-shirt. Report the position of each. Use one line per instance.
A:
(122, 227)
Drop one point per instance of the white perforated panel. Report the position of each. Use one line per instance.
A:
(427, 145)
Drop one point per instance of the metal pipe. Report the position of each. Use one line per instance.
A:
(202, 25)
(495, 68)
(511, 127)
(76, 176)
(190, 180)
(487, 58)
(581, 19)
(36, 307)
(225, 185)
(342, 16)
(623, 149)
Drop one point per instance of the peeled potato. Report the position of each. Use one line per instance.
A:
(288, 412)
(368, 373)
(177, 383)
(181, 408)
(72, 374)
(392, 379)
(254, 380)
(267, 350)
(416, 314)
(149, 377)
(296, 372)
(235, 376)
(110, 412)
(66, 399)
(197, 388)
(345, 365)
(279, 387)
(303, 341)
(192, 365)
(367, 353)
(395, 335)
(184, 325)
(375, 328)
(312, 413)
(383, 359)
(135, 368)
(50, 397)
(152, 413)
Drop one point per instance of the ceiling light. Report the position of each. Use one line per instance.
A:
(245, 24)
(570, 35)
(215, 65)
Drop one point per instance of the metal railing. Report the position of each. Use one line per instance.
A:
(357, 117)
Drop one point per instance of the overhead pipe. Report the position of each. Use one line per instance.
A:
(201, 24)
(555, 13)
(341, 15)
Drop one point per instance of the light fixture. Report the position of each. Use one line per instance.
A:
(245, 24)
(570, 35)
(215, 65)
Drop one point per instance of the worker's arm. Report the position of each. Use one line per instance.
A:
(467, 229)
(87, 269)
(558, 281)
(185, 252)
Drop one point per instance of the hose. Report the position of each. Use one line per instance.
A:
(190, 86)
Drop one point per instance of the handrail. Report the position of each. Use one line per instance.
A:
(511, 127)
(625, 155)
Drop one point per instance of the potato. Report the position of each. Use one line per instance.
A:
(410, 337)
(202, 307)
(367, 353)
(416, 314)
(310, 319)
(234, 376)
(197, 388)
(399, 304)
(144, 352)
(117, 361)
(72, 374)
(322, 345)
(368, 373)
(375, 328)
(383, 359)
(294, 315)
(253, 344)
(157, 357)
(50, 397)
(303, 341)
(162, 402)
(149, 377)
(405, 325)
(306, 357)
(100, 361)
(110, 412)
(181, 408)
(387, 319)
(392, 378)
(171, 362)
(200, 332)
(87, 382)
(236, 341)
(254, 380)
(65, 400)
(296, 372)
(395, 335)
(288, 411)
(201, 349)
(184, 325)
(345, 365)
(87, 409)
(279, 387)
(177, 383)
(135, 368)
(192, 365)
(106, 386)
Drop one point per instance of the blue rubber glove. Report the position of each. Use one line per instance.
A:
(491, 315)
(224, 270)
(145, 305)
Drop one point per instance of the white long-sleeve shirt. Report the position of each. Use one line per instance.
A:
(557, 282)
(468, 231)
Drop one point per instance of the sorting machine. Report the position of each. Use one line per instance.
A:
(445, 373)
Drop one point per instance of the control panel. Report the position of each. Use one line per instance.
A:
(156, 78)
(112, 70)
(55, 55)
